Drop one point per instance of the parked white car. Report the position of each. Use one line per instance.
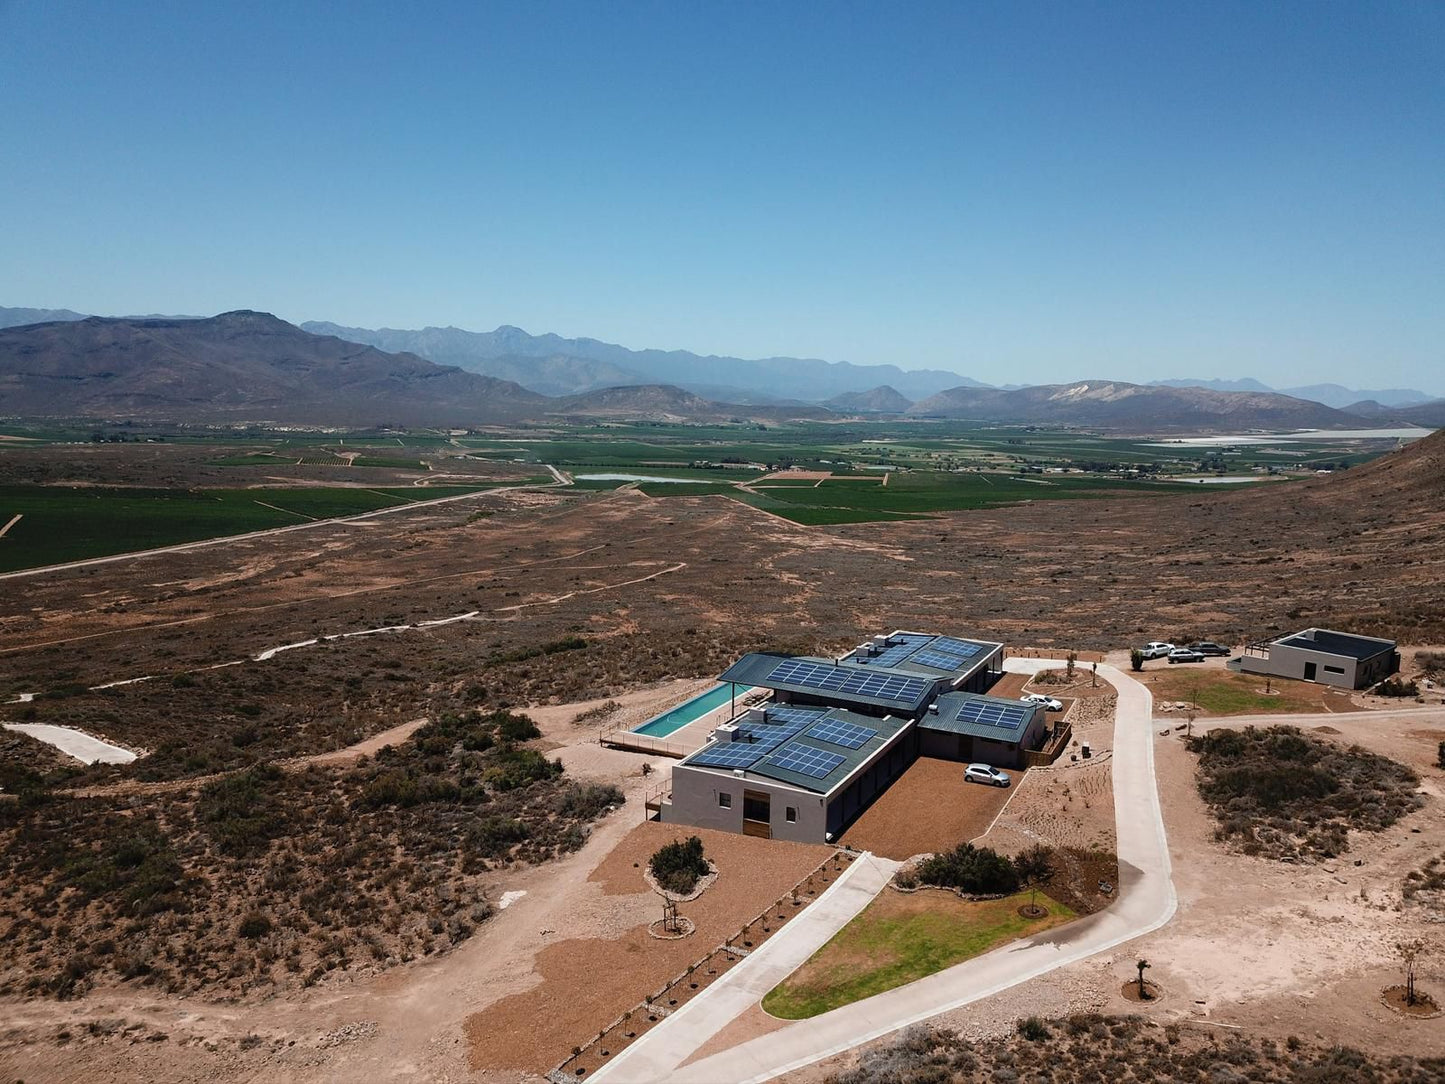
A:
(1157, 649)
(985, 773)
(1049, 703)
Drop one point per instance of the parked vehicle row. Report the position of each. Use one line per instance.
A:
(1195, 652)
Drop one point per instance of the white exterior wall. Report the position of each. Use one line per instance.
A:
(695, 802)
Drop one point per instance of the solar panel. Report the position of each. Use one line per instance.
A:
(849, 679)
(962, 648)
(941, 659)
(784, 714)
(1001, 714)
(731, 754)
(848, 735)
(906, 643)
(806, 760)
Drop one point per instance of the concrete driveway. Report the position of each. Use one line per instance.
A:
(1147, 901)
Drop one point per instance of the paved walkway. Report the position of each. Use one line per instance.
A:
(657, 1054)
(1146, 902)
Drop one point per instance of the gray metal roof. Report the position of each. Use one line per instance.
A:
(946, 717)
(1331, 642)
(877, 687)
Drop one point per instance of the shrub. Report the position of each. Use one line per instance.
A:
(1396, 687)
(1282, 793)
(240, 812)
(406, 788)
(494, 835)
(678, 865)
(1136, 659)
(254, 925)
(1440, 755)
(977, 870)
(1033, 1029)
(585, 801)
(513, 768)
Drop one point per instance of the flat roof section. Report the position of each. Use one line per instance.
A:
(811, 748)
(1331, 642)
(979, 716)
(926, 653)
(829, 679)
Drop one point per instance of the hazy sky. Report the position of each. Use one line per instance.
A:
(1018, 192)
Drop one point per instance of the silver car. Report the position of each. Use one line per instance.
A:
(1049, 703)
(985, 773)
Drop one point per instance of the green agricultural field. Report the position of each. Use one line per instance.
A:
(61, 523)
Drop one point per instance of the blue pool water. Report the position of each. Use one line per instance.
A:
(685, 713)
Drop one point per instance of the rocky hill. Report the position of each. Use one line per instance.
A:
(1135, 408)
(239, 366)
(880, 400)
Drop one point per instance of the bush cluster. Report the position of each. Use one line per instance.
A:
(677, 866)
(982, 871)
(1397, 688)
(1285, 794)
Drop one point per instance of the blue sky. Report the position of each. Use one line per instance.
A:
(1018, 192)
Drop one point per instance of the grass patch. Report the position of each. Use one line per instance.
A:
(1225, 693)
(1281, 793)
(901, 938)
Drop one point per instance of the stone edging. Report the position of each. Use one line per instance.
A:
(703, 884)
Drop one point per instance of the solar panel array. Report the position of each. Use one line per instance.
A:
(783, 714)
(895, 653)
(848, 735)
(857, 681)
(754, 741)
(806, 760)
(999, 713)
(943, 652)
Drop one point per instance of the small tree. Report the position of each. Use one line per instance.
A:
(1411, 953)
(1136, 659)
(1142, 965)
(1034, 866)
(1070, 661)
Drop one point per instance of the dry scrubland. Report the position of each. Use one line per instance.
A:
(1090, 1047)
(638, 590)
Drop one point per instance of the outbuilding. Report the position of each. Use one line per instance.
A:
(1328, 656)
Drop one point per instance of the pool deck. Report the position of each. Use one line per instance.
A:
(687, 738)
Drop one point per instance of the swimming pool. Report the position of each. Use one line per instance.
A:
(690, 711)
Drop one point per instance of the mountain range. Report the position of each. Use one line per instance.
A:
(1333, 395)
(250, 366)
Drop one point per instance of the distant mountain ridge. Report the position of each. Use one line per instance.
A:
(1138, 408)
(805, 379)
(879, 400)
(1331, 395)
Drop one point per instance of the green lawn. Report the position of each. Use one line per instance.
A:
(899, 939)
(63, 523)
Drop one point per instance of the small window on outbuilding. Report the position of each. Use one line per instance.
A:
(791, 813)
(725, 800)
(1334, 669)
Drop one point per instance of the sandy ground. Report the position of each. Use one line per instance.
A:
(928, 809)
(602, 961)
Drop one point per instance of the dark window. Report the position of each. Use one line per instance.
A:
(725, 800)
(1334, 669)
(791, 814)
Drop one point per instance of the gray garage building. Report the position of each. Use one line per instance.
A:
(1324, 655)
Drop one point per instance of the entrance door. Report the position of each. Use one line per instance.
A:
(1309, 671)
(757, 814)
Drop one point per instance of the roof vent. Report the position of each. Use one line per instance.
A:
(932, 709)
(726, 732)
(880, 641)
(739, 772)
